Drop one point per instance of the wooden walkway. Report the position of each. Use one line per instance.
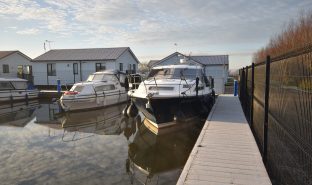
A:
(225, 151)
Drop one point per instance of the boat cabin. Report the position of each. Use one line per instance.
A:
(13, 84)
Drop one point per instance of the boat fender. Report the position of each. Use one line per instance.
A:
(132, 110)
(138, 121)
(213, 96)
(197, 81)
(124, 111)
(148, 104)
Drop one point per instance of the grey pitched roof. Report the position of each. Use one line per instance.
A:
(82, 54)
(203, 59)
(151, 63)
(212, 59)
(4, 54)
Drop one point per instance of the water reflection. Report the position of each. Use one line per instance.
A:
(17, 114)
(159, 159)
(42, 145)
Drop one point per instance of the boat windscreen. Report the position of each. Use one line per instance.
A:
(6, 86)
(90, 78)
(177, 73)
(78, 88)
(19, 85)
(102, 77)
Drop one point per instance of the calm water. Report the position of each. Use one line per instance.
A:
(40, 145)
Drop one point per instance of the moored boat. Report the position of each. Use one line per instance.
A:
(174, 92)
(100, 90)
(16, 89)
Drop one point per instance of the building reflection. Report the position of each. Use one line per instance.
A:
(152, 159)
(17, 114)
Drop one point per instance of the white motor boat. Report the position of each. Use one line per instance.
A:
(16, 89)
(174, 92)
(101, 89)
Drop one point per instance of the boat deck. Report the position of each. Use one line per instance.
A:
(225, 151)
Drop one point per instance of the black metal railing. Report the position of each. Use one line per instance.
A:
(276, 96)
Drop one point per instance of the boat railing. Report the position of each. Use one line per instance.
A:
(18, 96)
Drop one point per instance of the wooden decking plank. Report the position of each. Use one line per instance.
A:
(226, 151)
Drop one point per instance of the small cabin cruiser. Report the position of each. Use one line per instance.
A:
(16, 89)
(101, 89)
(174, 92)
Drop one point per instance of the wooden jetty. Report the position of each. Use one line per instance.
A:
(225, 152)
(48, 94)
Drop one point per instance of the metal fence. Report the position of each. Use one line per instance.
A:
(276, 96)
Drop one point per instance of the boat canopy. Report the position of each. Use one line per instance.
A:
(108, 76)
(12, 80)
(11, 85)
(176, 72)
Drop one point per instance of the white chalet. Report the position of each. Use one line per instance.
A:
(75, 65)
(15, 64)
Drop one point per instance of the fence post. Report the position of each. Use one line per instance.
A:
(246, 92)
(266, 109)
(252, 93)
(239, 83)
(242, 89)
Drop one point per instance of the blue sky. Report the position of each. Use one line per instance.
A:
(149, 27)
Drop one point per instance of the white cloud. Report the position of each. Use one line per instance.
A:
(205, 25)
(53, 19)
(30, 31)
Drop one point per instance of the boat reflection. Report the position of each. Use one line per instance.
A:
(83, 124)
(18, 114)
(107, 121)
(159, 159)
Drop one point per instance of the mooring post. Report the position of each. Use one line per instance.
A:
(59, 87)
(252, 93)
(266, 108)
(235, 87)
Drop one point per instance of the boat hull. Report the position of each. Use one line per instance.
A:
(91, 102)
(167, 110)
(18, 95)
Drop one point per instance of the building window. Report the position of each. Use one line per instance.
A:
(51, 70)
(28, 70)
(6, 68)
(133, 68)
(20, 69)
(99, 67)
(75, 68)
(120, 66)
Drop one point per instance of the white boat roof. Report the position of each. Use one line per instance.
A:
(109, 72)
(12, 80)
(177, 66)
